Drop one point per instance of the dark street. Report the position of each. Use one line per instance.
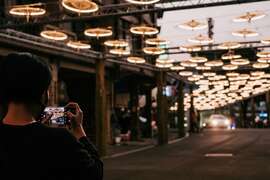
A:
(187, 159)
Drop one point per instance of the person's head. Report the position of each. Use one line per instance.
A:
(24, 80)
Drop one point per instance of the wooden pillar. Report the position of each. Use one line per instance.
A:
(148, 111)
(162, 109)
(134, 104)
(100, 113)
(180, 110)
(192, 119)
(53, 91)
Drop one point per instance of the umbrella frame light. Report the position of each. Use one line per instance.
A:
(215, 63)
(98, 32)
(144, 2)
(116, 43)
(265, 41)
(245, 33)
(257, 73)
(201, 39)
(250, 16)
(203, 68)
(186, 73)
(209, 74)
(144, 30)
(120, 51)
(232, 74)
(229, 45)
(156, 41)
(230, 56)
(193, 25)
(198, 59)
(62, 36)
(153, 50)
(190, 48)
(263, 54)
(136, 60)
(229, 67)
(164, 61)
(27, 10)
(80, 11)
(78, 45)
(177, 68)
(260, 65)
(164, 65)
(264, 60)
(188, 64)
(240, 62)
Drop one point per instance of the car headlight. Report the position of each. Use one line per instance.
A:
(227, 122)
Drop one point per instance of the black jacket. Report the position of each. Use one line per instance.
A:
(39, 152)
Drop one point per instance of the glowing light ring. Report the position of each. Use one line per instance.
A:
(27, 11)
(232, 74)
(78, 45)
(250, 16)
(144, 30)
(193, 79)
(260, 65)
(185, 73)
(143, 2)
(98, 32)
(229, 45)
(156, 41)
(229, 67)
(177, 68)
(263, 54)
(116, 43)
(80, 6)
(164, 60)
(119, 52)
(198, 59)
(240, 62)
(136, 60)
(264, 60)
(54, 35)
(193, 25)
(215, 63)
(209, 74)
(188, 64)
(230, 56)
(245, 33)
(257, 73)
(203, 68)
(265, 41)
(153, 50)
(164, 65)
(201, 39)
(190, 48)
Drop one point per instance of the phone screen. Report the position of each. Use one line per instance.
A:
(58, 115)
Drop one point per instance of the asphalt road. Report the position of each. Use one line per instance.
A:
(247, 157)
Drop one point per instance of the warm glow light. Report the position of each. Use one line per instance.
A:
(257, 73)
(54, 35)
(185, 73)
(193, 25)
(136, 60)
(177, 68)
(260, 65)
(116, 43)
(265, 41)
(78, 45)
(27, 10)
(188, 64)
(229, 67)
(165, 60)
(198, 59)
(229, 45)
(230, 56)
(245, 33)
(215, 63)
(207, 74)
(153, 50)
(263, 54)
(144, 30)
(203, 68)
(240, 62)
(156, 41)
(250, 16)
(193, 78)
(190, 48)
(201, 39)
(264, 60)
(120, 52)
(164, 65)
(143, 2)
(80, 6)
(232, 74)
(98, 32)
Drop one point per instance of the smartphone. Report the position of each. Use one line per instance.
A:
(58, 116)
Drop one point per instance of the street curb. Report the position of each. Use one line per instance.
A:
(143, 148)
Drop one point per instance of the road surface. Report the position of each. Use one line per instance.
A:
(211, 155)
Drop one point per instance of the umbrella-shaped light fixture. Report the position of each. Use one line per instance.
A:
(229, 67)
(245, 33)
(265, 41)
(198, 59)
(264, 60)
(78, 45)
(250, 16)
(260, 65)
(156, 41)
(98, 32)
(116, 43)
(240, 62)
(229, 45)
(201, 39)
(193, 25)
(190, 48)
(80, 6)
(144, 30)
(153, 50)
(54, 35)
(185, 73)
(136, 60)
(215, 63)
(143, 2)
(120, 51)
(263, 54)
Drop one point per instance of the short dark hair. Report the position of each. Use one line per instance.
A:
(23, 78)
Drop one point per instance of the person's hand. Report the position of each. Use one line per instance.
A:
(75, 115)
(46, 118)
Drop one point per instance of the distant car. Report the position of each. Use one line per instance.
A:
(219, 121)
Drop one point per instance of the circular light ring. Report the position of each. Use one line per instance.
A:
(144, 30)
(193, 79)
(188, 64)
(208, 74)
(260, 65)
(54, 35)
(232, 74)
(136, 60)
(143, 2)
(153, 50)
(243, 77)
(198, 59)
(116, 43)
(156, 41)
(166, 61)
(249, 16)
(229, 67)
(229, 45)
(215, 63)
(25, 10)
(164, 65)
(177, 68)
(240, 62)
(265, 41)
(185, 73)
(98, 32)
(257, 73)
(264, 60)
(230, 56)
(78, 45)
(120, 52)
(80, 6)
(190, 48)
(201, 39)
(263, 54)
(245, 33)
(193, 25)
(203, 68)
